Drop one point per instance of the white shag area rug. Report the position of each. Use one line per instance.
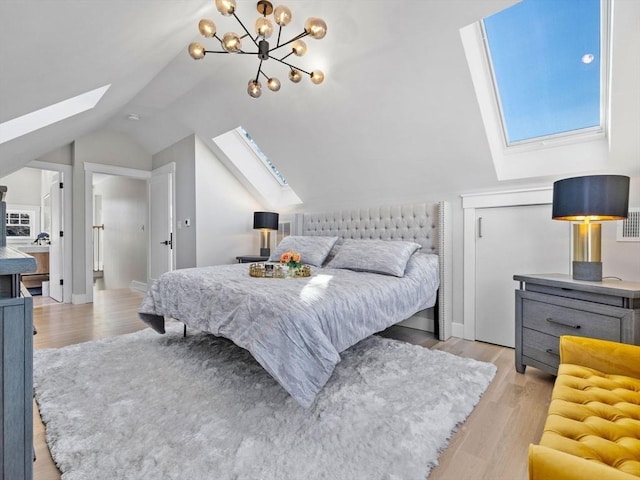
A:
(149, 406)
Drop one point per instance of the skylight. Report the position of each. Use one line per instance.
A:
(545, 57)
(246, 160)
(46, 116)
(260, 154)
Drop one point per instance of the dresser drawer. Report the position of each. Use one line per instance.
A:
(557, 320)
(541, 347)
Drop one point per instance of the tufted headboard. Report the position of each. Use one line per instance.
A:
(425, 223)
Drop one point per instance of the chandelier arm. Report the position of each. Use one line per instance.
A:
(244, 28)
(265, 75)
(297, 37)
(288, 54)
(239, 52)
(259, 70)
(279, 32)
(293, 67)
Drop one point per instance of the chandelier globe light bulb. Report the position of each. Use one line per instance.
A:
(294, 75)
(207, 28)
(254, 89)
(196, 50)
(273, 84)
(231, 42)
(282, 15)
(316, 27)
(299, 48)
(317, 77)
(264, 27)
(226, 7)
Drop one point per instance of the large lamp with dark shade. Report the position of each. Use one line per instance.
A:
(590, 200)
(265, 222)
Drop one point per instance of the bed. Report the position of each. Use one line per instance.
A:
(296, 328)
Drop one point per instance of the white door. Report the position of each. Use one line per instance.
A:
(509, 241)
(56, 248)
(161, 241)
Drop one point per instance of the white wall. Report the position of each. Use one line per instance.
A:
(621, 259)
(124, 213)
(101, 147)
(23, 187)
(224, 223)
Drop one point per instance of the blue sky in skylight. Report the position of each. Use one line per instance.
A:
(537, 49)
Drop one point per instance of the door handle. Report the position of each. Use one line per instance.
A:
(168, 242)
(479, 227)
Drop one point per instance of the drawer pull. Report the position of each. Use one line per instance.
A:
(558, 322)
(551, 352)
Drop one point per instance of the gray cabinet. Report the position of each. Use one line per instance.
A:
(548, 306)
(16, 369)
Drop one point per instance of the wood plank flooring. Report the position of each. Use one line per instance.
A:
(490, 445)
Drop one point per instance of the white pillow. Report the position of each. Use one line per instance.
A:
(388, 257)
(312, 250)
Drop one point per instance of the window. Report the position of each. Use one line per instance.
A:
(20, 224)
(546, 61)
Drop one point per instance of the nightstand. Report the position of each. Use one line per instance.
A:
(551, 305)
(251, 258)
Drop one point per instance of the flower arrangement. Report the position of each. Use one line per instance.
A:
(292, 259)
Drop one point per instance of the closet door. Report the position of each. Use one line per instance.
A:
(511, 240)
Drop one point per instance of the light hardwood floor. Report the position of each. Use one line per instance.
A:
(490, 445)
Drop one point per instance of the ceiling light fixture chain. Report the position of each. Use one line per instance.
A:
(232, 42)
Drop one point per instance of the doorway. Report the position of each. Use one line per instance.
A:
(119, 232)
(38, 206)
(130, 224)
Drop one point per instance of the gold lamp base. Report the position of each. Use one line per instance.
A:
(587, 264)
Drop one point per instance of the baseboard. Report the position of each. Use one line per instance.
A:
(141, 286)
(457, 330)
(78, 298)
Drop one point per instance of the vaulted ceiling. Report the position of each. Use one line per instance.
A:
(397, 107)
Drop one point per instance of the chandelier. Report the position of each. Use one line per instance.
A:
(232, 42)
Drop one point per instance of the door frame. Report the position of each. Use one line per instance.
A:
(89, 170)
(67, 200)
(471, 202)
(167, 168)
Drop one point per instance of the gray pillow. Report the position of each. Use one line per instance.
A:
(388, 257)
(313, 250)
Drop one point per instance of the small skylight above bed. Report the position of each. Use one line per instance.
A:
(260, 154)
(253, 168)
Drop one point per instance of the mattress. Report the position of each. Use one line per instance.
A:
(295, 327)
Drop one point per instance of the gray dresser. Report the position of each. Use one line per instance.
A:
(551, 305)
(16, 370)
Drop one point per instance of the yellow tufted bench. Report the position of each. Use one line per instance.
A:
(593, 425)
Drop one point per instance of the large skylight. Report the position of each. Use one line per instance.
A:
(545, 57)
(51, 114)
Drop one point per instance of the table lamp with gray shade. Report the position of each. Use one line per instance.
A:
(590, 200)
(265, 222)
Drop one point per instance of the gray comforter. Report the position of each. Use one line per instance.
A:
(296, 327)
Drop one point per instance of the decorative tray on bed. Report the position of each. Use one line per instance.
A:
(278, 270)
